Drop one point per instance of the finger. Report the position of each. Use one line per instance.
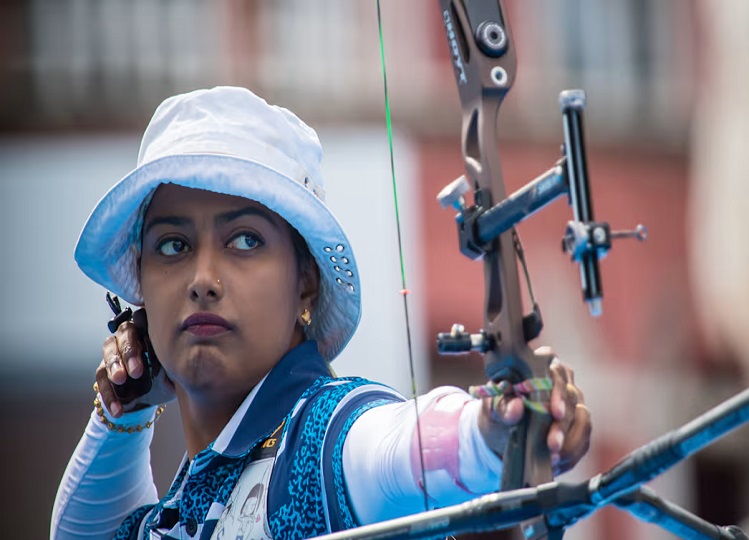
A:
(568, 370)
(130, 348)
(112, 361)
(577, 440)
(558, 432)
(555, 441)
(574, 396)
(579, 395)
(559, 397)
(104, 387)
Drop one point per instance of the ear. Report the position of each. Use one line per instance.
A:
(309, 286)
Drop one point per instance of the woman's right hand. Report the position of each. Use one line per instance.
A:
(123, 354)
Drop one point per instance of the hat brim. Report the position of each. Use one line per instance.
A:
(107, 250)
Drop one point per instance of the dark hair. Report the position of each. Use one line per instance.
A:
(305, 262)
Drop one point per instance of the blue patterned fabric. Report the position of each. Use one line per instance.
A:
(129, 528)
(297, 476)
(343, 517)
(131, 524)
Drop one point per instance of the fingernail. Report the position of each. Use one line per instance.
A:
(554, 460)
(115, 408)
(133, 365)
(119, 375)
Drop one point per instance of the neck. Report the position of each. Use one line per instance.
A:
(204, 418)
(206, 411)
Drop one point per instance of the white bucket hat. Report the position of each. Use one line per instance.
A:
(230, 141)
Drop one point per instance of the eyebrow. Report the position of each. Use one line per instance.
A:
(221, 219)
(166, 220)
(226, 217)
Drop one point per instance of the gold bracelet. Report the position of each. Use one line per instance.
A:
(123, 429)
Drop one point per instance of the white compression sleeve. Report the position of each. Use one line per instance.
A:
(107, 477)
(382, 472)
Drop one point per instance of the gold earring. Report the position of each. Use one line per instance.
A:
(306, 317)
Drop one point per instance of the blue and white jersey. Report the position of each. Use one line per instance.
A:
(275, 471)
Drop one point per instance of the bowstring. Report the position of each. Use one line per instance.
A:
(404, 290)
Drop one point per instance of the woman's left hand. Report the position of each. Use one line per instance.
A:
(569, 434)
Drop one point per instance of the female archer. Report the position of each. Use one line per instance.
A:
(222, 236)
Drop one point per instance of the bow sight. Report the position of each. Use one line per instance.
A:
(585, 240)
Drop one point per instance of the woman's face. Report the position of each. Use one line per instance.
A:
(221, 287)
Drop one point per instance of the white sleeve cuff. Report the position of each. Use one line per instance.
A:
(107, 477)
(480, 468)
(378, 466)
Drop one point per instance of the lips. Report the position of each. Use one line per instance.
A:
(206, 325)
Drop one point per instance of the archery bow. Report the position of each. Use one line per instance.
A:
(484, 60)
(483, 55)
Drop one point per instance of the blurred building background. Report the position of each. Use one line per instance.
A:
(80, 78)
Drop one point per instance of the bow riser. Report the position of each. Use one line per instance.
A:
(484, 62)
